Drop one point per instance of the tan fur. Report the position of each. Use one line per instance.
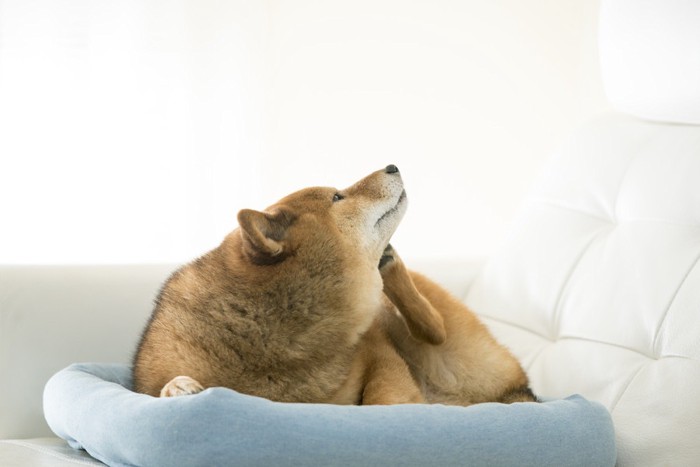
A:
(470, 366)
(292, 307)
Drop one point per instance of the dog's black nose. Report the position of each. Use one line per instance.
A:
(391, 169)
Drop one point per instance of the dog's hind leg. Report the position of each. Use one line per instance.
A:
(387, 378)
(423, 321)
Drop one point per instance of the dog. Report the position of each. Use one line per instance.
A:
(307, 301)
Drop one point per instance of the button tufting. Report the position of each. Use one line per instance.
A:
(597, 290)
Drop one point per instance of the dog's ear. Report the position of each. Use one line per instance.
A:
(264, 234)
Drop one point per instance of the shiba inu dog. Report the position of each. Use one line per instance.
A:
(307, 302)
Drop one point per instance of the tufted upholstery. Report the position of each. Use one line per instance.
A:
(598, 288)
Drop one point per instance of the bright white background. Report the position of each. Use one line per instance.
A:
(133, 131)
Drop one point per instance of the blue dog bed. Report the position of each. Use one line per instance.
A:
(92, 407)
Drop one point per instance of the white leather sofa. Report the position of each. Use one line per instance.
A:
(51, 316)
(597, 289)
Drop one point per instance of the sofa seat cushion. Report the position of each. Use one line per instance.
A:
(45, 452)
(92, 407)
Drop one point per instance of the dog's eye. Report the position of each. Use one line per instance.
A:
(337, 197)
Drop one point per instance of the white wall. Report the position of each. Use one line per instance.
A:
(129, 130)
(467, 98)
(133, 131)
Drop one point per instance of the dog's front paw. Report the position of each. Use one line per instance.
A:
(387, 257)
(181, 386)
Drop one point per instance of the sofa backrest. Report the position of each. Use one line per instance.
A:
(597, 289)
(52, 316)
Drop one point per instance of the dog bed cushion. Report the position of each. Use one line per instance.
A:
(92, 407)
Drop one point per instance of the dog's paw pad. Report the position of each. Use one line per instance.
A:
(181, 386)
(387, 256)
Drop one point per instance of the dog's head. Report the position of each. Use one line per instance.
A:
(357, 221)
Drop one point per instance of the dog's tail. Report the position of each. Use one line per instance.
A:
(518, 394)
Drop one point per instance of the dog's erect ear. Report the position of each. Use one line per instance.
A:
(263, 234)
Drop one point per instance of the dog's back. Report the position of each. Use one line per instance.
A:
(257, 334)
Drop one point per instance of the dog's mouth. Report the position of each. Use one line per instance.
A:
(390, 212)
